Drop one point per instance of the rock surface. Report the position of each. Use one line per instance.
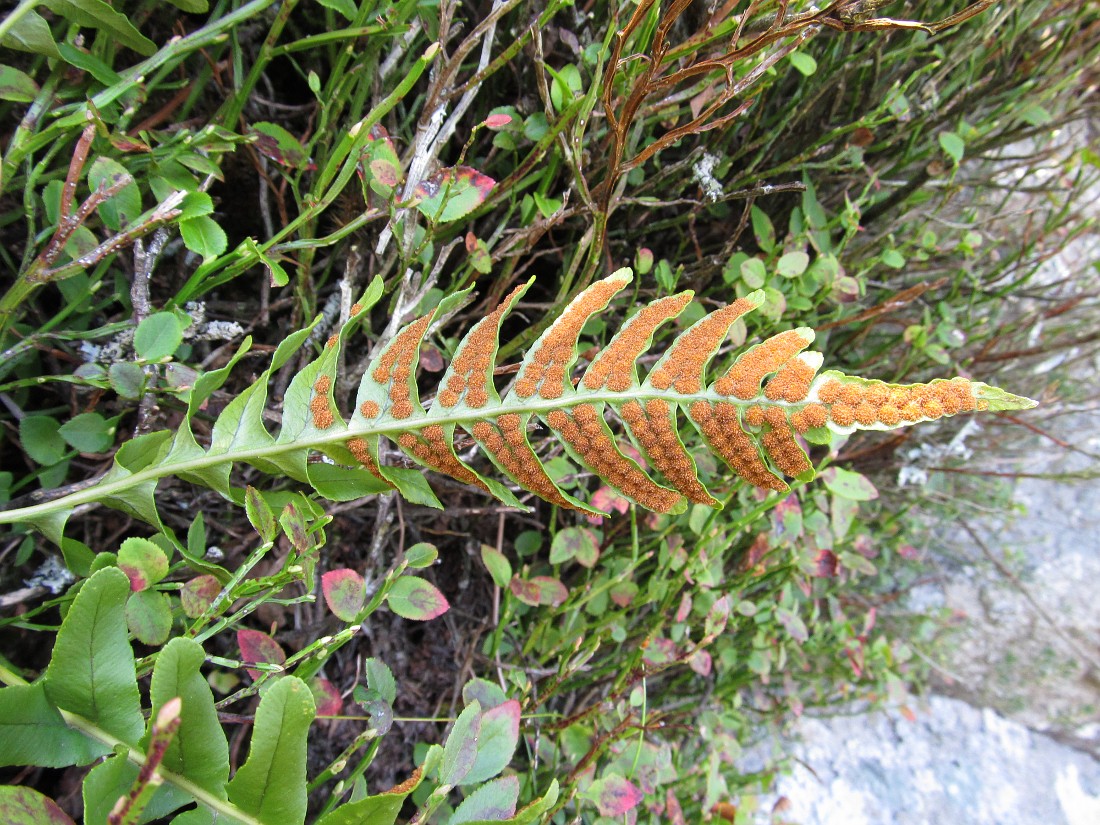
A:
(954, 764)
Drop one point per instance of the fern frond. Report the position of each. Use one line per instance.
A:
(750, 415)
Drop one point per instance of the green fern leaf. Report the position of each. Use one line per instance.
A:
(751, 415)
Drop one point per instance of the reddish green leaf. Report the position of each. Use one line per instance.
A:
(479, 254)
(413, 598)
(259, 647)
(326, 696)
(614, 795)
(345, 593)
(623, 593)
(551, 591)
(278, 144)
(575, 543)
(198, 594)
(295, 528)
(379, 164)
(700, 661)
(496, 744)
(527, 592)
(452, 193)
(25, 806)
(143, 563)
(460, 749)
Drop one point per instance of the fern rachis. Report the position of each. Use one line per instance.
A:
(749, 416)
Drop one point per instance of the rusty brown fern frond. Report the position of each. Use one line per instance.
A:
(751, 415)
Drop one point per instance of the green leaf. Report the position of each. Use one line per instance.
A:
(496, 742)
(849, 485)
(344, 483)
(199, 750)
(91, 672)
(143, 562)
(421, 555)
(41, 438)
(893, 259)
(26, 806)
(792, 264)
(196, 204)
(500, 569)
(127, 379)
(345, 7)
(374, 810)
(149, 617)
(953, 145)
(158, 336)
(96, 14)
(345, 593)
(31, 33)
(803, 62)
(271, 784)
(191, 6)
(754, 273)
(762, 229)
(566, 85)
(16, 86)
(119, 210)
(460, 749)
(33, 732)
(203, 236)
(494, 802)
(575, 543)
(380, 678)
(413, 598)
(88, 432)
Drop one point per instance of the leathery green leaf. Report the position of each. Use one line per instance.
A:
(32, 732)
(92, 671)
(271, 784)
(199, 750)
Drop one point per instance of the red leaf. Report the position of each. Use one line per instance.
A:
(259, 647)
(326, 696)
(825, 564)
(673, 810)
(345, 593)
(498, 121)
(615, 795)
(684, 610)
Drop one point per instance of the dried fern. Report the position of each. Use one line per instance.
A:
(749, 416)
